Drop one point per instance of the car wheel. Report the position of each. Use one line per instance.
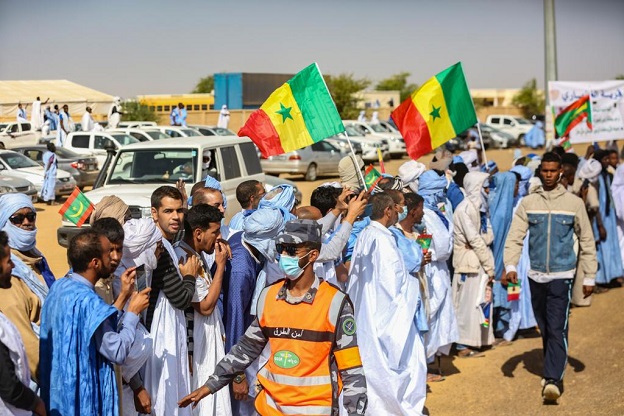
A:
(521, 140)
(310, 174)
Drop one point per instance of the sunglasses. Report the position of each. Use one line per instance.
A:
(288, 249)
(19, 218)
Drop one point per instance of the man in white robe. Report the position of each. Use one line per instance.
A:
(385, 297)
(114, 113)
(36, 115)
(167, 377)
(87, 123)
(224, 117)
(21, 114)
(66, 126)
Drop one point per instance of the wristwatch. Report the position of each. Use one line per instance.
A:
(239, 378)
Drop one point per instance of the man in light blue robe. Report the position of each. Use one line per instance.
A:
(81, 335)
(50, 166)
(501, 198)
(608, 253)
(535, 137)
(443, 331)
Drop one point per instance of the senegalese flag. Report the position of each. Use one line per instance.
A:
(299, 113)
(573, 115)
(77, 208)
(436, 112)
(371, 177)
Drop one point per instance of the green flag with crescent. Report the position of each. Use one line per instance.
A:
(77, 208)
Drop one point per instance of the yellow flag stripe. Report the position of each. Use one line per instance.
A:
(285, 115)
(429, 100)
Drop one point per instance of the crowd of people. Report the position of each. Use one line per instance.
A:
(344, 306)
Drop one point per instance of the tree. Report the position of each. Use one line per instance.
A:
(342, 88)
(397, 82)
(204, 86)
(135, 111)
(530, 100)
(621, 76)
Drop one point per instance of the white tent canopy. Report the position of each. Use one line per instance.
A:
(60, 92)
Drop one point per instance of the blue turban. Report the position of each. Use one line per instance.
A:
(281, 197)
(525, 174)
(215, 184)
(260, 229)
(458, 159)
(431, 187)
(491, 166)
(24, 240)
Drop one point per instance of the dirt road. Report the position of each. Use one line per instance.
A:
(506, 381)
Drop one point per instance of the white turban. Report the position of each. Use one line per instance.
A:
(590, 170)
(409, 172)
(470, 157)
(140, 239)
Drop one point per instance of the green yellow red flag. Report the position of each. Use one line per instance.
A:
(573, 115)
(436, 112)
(371, 177)
(297, 114)
(77, 208)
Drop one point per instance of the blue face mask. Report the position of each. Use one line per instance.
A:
(403, 214)
(290, 266)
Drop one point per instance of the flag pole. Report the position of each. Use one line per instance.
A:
(485, 161)
(357, 167)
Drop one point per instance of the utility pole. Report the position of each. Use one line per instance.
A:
(550, 64)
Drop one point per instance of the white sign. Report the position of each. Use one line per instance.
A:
(607, 107)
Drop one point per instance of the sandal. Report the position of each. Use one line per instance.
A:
(434, 378)
(468, 353)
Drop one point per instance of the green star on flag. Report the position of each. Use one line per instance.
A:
(435, 113)
(284, 112)
(77, 208)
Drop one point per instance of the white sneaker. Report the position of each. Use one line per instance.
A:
(551, 392)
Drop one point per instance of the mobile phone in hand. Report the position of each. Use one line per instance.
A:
(141, 278)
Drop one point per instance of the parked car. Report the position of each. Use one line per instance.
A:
(84, 169)
(396, 144)
(17, 165)
(133, 124)
(499, 138)
(176, 131)
(319, 159)
(343, 144)
(518, 127)
(15, 134)
(14, 184)
(368, 144)
(139, 168)
(92, 143)
(142, 134)
(213, 130)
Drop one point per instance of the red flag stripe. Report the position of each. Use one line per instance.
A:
(69, 201)
(414, 129)
(85, 216)
(258, 128)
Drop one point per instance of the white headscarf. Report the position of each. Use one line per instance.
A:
(590, 170)
(409, 172)
(140, 239)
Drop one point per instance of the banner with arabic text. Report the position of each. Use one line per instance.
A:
(607, 106)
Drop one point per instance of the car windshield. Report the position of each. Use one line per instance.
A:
(3, 126)
(157, 135)
(125, 139)
(351, 131)
(220, 131)
(523, 121)
(190, 132)
(378, 128)
(18, 161)
(164, 166)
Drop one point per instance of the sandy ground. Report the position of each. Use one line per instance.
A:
(506, 381)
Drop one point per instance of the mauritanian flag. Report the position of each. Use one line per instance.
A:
(77, 208)
(436, 112)
(371, 177)
(299, 113)
(573, 115)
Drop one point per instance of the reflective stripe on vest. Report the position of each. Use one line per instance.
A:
(297, 377)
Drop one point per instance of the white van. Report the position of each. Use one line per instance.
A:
(517, 126)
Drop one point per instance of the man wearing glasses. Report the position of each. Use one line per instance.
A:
(22, 302)
(311, 332)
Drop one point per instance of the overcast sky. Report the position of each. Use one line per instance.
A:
(136, 47)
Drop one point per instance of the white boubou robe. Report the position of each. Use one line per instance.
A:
(208, 343)
(385, 297)
(167, 377)
(442, 321)
(11, 338)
